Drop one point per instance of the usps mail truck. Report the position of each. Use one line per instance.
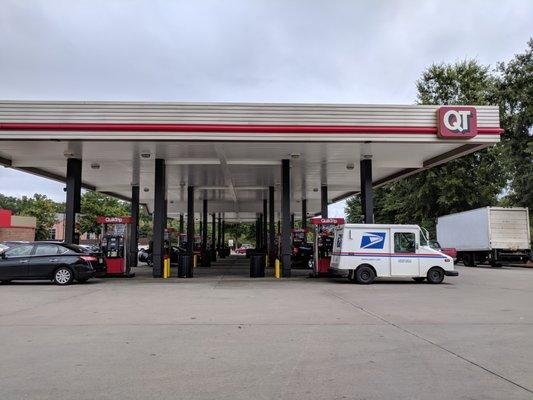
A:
(363, 252)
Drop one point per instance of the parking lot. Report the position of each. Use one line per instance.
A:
(222, 335)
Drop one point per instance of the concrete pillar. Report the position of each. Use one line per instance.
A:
(73, 200)
(271, 228)
(286, 218)
(324, 202)
(134, 229)
(160, 218)
(367, 195)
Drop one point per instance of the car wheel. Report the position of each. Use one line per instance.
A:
(365, 275)
(63, 276)
(419, 279)
(435, 275)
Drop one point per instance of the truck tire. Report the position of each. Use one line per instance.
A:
(365, 275)
(469, 259)
(435, 275)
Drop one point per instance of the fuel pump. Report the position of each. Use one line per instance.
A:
(301, 250)
(324, 231)
(114, 244)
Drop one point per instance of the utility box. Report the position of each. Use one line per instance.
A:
(488, 234)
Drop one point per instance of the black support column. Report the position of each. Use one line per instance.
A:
(304, 218)
(160, 218)
(265, 225)
(213, 238)
(206, 257)
(367, 195)
(271, 228)
(188, 267)
(286, 218)
(73, 200)
(134, 229)
(324, 202)
(181, 229)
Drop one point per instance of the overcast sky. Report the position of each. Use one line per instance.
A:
(249, 50)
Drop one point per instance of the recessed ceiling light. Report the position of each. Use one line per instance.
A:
(146, 189)
(315, 189)
(95, 166)
(295, 155)
(350, 166)
(146, 155)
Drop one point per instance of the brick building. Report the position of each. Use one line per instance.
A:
(14, 227)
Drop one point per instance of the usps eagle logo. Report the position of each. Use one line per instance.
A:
(373, 240)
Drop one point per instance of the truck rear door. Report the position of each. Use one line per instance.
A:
(404, 248)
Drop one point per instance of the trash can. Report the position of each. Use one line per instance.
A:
(257, 265)
(206, 259)
(185, 266)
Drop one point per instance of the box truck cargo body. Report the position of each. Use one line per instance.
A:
(488, 234)
(363, 252)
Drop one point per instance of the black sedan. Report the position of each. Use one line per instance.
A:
(58, 262)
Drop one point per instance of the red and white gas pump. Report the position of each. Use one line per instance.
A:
(324, 232)
(114, 244)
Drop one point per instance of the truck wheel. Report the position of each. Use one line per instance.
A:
(435, 275)
(419, 279)
(365, 275)
(468, 260)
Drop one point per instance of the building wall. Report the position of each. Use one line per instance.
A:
(17, 233)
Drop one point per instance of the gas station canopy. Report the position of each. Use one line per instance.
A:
(231, 153)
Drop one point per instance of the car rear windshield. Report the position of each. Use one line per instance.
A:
(75, 248)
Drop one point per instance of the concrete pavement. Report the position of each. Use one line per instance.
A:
(222, 335)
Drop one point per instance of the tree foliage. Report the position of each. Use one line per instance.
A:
(38, 206)
(479, 179)
(94, 204)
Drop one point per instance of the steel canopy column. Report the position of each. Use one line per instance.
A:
(265, 225)
(213, 238)
(160, 218)
(367, 195)
(190, 220)
(206, 257)
(286, 218)
(271, 228)
(73, 200)
(180, 241)
(134, 228)
(304, 218)
(324, 202)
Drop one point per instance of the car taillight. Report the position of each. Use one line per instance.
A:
(89, 258)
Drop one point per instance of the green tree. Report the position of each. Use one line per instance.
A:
(94, 204)
(10, 203)
(471, 181)
(515, 95)
(43, 209)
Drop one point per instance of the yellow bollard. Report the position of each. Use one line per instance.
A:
(166, 268)
(277, 269)
(194, 260)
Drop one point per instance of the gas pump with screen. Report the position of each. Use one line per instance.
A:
(324, 232)
(114, 244)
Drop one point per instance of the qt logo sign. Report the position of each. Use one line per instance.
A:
(373, 240)
(457, 122)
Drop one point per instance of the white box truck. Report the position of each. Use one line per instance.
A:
(489, 234)
(363, 252)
